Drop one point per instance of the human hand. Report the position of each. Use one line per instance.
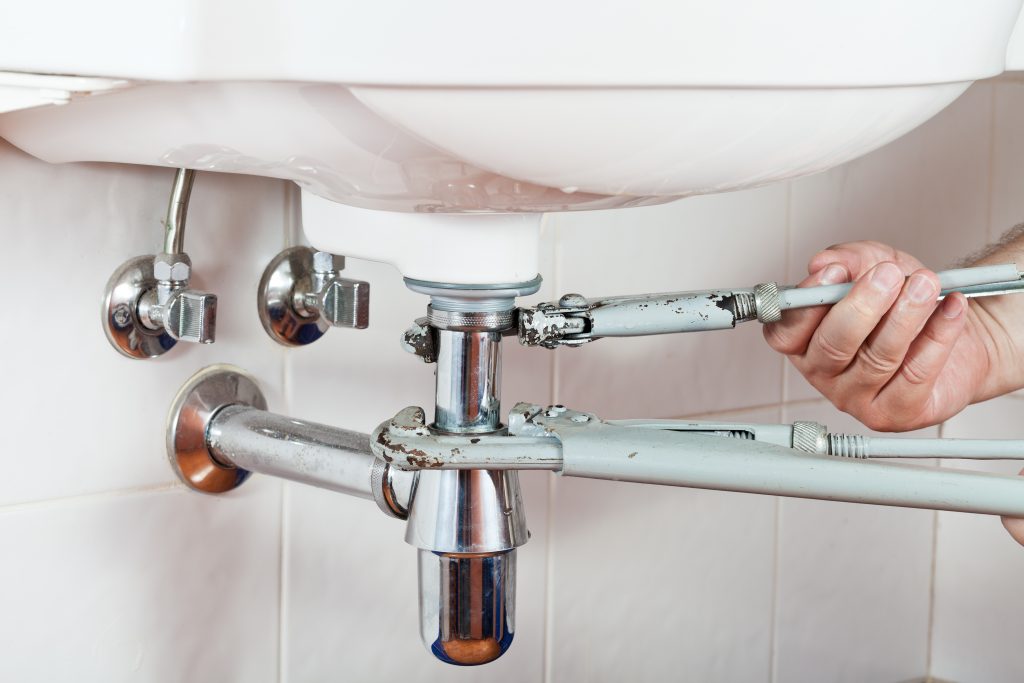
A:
(887, 354)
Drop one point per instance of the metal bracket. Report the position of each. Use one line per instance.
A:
(302, 295)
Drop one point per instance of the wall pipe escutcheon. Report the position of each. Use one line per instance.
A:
(218, 433)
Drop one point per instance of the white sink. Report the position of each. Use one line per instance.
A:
(458, 106)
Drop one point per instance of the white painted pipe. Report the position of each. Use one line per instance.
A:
(710, 462)
(949, 280)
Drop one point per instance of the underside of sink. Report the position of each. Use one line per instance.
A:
(481, 149)
(440, 108)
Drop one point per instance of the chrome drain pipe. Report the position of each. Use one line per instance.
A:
(467, 524)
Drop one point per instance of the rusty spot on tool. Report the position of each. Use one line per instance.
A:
(423, 461)
(414, 456)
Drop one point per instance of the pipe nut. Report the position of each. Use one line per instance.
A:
(172, 267)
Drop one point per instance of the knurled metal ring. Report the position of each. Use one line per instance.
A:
(809, 437)
(472, 321)
(768, 302)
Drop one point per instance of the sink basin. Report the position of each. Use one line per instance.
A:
(458, 107)
(454, 107)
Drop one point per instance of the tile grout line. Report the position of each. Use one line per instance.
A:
(932, 572)
(991, 233)
(91, 497)
(549, 569)
(773, 638)
(746, 409)
(786, 265)
(930, 634)
(292, 230)
(773, 656)
(282, 537)
(282, 595)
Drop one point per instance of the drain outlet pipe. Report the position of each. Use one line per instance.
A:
(467, 523)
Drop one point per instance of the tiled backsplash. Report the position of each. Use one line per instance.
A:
(113, 572)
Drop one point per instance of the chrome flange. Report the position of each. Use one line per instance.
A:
(121, 322)
(288, 272)
(202, 396)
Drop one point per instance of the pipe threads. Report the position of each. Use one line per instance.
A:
(744, 306)
(736, 434)
(847, 445)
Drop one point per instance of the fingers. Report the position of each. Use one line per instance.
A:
(885, 349)
(847, 325)
(927, 356)
(791, 334)
(859, 257)
(910, 397)
(849, 258)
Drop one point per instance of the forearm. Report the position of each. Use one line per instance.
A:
(1000, 321)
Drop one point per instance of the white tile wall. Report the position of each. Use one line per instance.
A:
(979, 605)
(854, 584)
(112, 572)
(656, 583)
(1007, 156)
(163, 585)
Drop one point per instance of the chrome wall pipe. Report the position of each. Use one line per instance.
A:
(305, 452)
(219, 432)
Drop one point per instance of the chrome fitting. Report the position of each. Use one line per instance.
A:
(302, 294)
(149, 306)
(472, 321)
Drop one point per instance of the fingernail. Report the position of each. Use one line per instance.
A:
(921, 289)
(886, 276)
(952, 307)
(833, 274)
